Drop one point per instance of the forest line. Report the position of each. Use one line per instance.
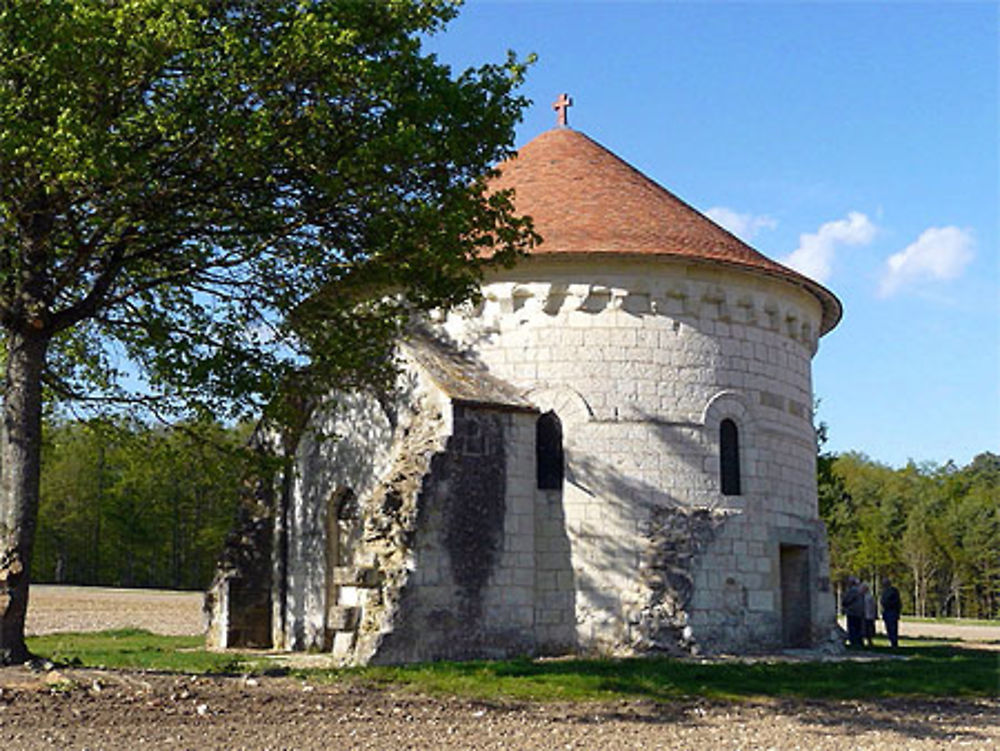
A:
(933, 529)
(128, 504)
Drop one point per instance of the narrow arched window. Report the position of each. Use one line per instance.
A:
(549, 452)
(729, 457)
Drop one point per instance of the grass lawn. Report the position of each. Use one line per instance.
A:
(935, 670)
(137, 649)
(922, 669)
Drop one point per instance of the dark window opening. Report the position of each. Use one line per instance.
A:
(345, 503)
(729, 457)
(549, 452)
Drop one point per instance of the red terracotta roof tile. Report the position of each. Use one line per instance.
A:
(585, 200)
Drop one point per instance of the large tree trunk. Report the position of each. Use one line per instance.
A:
(20, 454)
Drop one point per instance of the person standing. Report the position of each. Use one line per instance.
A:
(853, 606)
(871, 613)
(891, 607)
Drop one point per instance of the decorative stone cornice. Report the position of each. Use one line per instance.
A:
(688, 300)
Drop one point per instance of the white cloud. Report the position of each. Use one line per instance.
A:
(816, 251)
(744, 226)
(939, 253)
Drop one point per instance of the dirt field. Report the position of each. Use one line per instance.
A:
(90, 709)
(52, 609)
(131, 711)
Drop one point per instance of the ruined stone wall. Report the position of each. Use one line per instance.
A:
(450, 551)
(238, 603)
(467, 596)
(642, 361)
(472, 561)
(384, 556)
(351, 448)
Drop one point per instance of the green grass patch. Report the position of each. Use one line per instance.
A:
(930, 671)
(139, 650)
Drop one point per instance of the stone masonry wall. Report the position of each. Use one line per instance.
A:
(488, 572)
(465, 557)
(639, 551)
(652, 356)
(238, 602)
(464, 599)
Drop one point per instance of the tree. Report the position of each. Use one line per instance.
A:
(858, 515)
(922, 554)
(177, 177)
(836, 509)
(934, 529)
(129, 504)
(76, 473)
(978, 543)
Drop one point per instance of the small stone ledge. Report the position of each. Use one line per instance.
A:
(354, 576)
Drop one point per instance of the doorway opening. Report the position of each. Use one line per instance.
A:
(796, 600)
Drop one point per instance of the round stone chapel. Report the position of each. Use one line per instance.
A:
(612, 452)
(673, 362)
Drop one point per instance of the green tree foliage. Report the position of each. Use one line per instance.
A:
(125, 504)
(221, 192)
(934, 529)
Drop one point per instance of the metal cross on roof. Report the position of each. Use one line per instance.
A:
(560, 105)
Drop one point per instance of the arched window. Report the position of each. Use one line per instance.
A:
(549, 452)
(729, 457)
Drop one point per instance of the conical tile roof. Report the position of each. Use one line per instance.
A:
(585, 200)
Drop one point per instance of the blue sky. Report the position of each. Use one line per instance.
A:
(855, 141)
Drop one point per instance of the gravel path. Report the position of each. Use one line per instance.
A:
(985, 635)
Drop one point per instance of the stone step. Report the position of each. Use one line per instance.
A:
(343, 644)
(356, 576)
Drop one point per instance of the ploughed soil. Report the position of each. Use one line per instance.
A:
(94, 709)
(52, 609)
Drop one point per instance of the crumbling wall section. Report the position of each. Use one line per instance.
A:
(467, 598)
(389, 518)
(348, 446)
(673, 540)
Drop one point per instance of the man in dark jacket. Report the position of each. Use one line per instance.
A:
(853, 605)
(891, 606)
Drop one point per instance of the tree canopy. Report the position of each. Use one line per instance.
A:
(177, 176)
(219, 193)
